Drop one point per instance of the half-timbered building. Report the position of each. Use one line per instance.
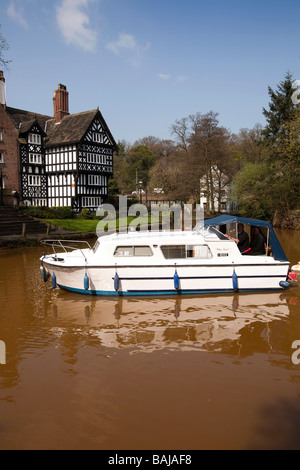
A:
(32, 164)
(79, 160)
(65, 160)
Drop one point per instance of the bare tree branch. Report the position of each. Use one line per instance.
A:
(3, 47)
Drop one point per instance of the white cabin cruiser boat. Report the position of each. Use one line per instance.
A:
(193, 262)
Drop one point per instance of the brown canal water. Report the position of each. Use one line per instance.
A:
(212, 372)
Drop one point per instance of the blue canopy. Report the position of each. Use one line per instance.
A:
(225, 219)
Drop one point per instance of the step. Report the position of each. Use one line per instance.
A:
(19, 231)
(12, 221)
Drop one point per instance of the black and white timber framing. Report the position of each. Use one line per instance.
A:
(33, 176)
(68, 163)
(55, 161)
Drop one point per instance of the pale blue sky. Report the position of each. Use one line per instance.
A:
(148, 63)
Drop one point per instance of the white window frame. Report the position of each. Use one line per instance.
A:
(95, 180)
(34, 180)
(35, 158)
(39, 202)
(98, 137)
(91, 201)
(34, 139)
(96, 158)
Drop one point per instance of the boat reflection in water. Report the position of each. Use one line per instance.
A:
(226, 324)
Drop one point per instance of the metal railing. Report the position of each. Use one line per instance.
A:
(62, 245)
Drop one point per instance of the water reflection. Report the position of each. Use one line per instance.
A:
(77, 374)
(239, 324)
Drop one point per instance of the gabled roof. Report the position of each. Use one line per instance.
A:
(70, 130)
(19, 117)
(26, 126)
(73, 128)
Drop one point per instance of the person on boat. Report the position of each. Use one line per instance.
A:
(242, 240)
(257, 244)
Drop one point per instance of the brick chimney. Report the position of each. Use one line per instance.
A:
(61, 102)
(2, 89)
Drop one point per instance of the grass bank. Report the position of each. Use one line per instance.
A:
(90, 225)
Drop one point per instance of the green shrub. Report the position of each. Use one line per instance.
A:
(47, 212)
(61, 213)
(86, 214)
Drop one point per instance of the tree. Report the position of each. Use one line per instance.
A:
(249, 146)
(3, 47)
(268, 180)
(121, 167)
(209, 144)
(282, 137)
(159, 147)
(181, 131)
(169, 173)
(140, 160)
(287, 163)
(253, 190)
(281, 109)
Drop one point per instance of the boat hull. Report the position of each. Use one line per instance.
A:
(169, 280)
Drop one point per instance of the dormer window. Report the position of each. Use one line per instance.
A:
(98, 137)
(35, 139)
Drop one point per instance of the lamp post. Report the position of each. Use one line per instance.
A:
(140, 190)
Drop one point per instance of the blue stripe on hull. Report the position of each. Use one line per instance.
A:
(163, 292)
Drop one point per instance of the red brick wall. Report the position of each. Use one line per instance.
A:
(9, 146)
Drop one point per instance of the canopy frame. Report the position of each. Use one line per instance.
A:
(226, 219)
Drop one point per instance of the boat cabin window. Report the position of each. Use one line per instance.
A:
(133, 251)
(198, 251)
(173, 251)
(142, 251)
(186, 251)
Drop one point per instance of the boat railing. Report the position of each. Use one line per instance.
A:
(61, 244)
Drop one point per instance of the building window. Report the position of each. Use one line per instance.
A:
(98, 137)
(1, 134)
(35, 158)
(91, 202)
(1, 157)
(35, 139)
(96, 158)
(39, 202)
(34, 180)
(96, 180)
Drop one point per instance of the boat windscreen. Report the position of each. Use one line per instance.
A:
(210, 232)
(96, 246)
